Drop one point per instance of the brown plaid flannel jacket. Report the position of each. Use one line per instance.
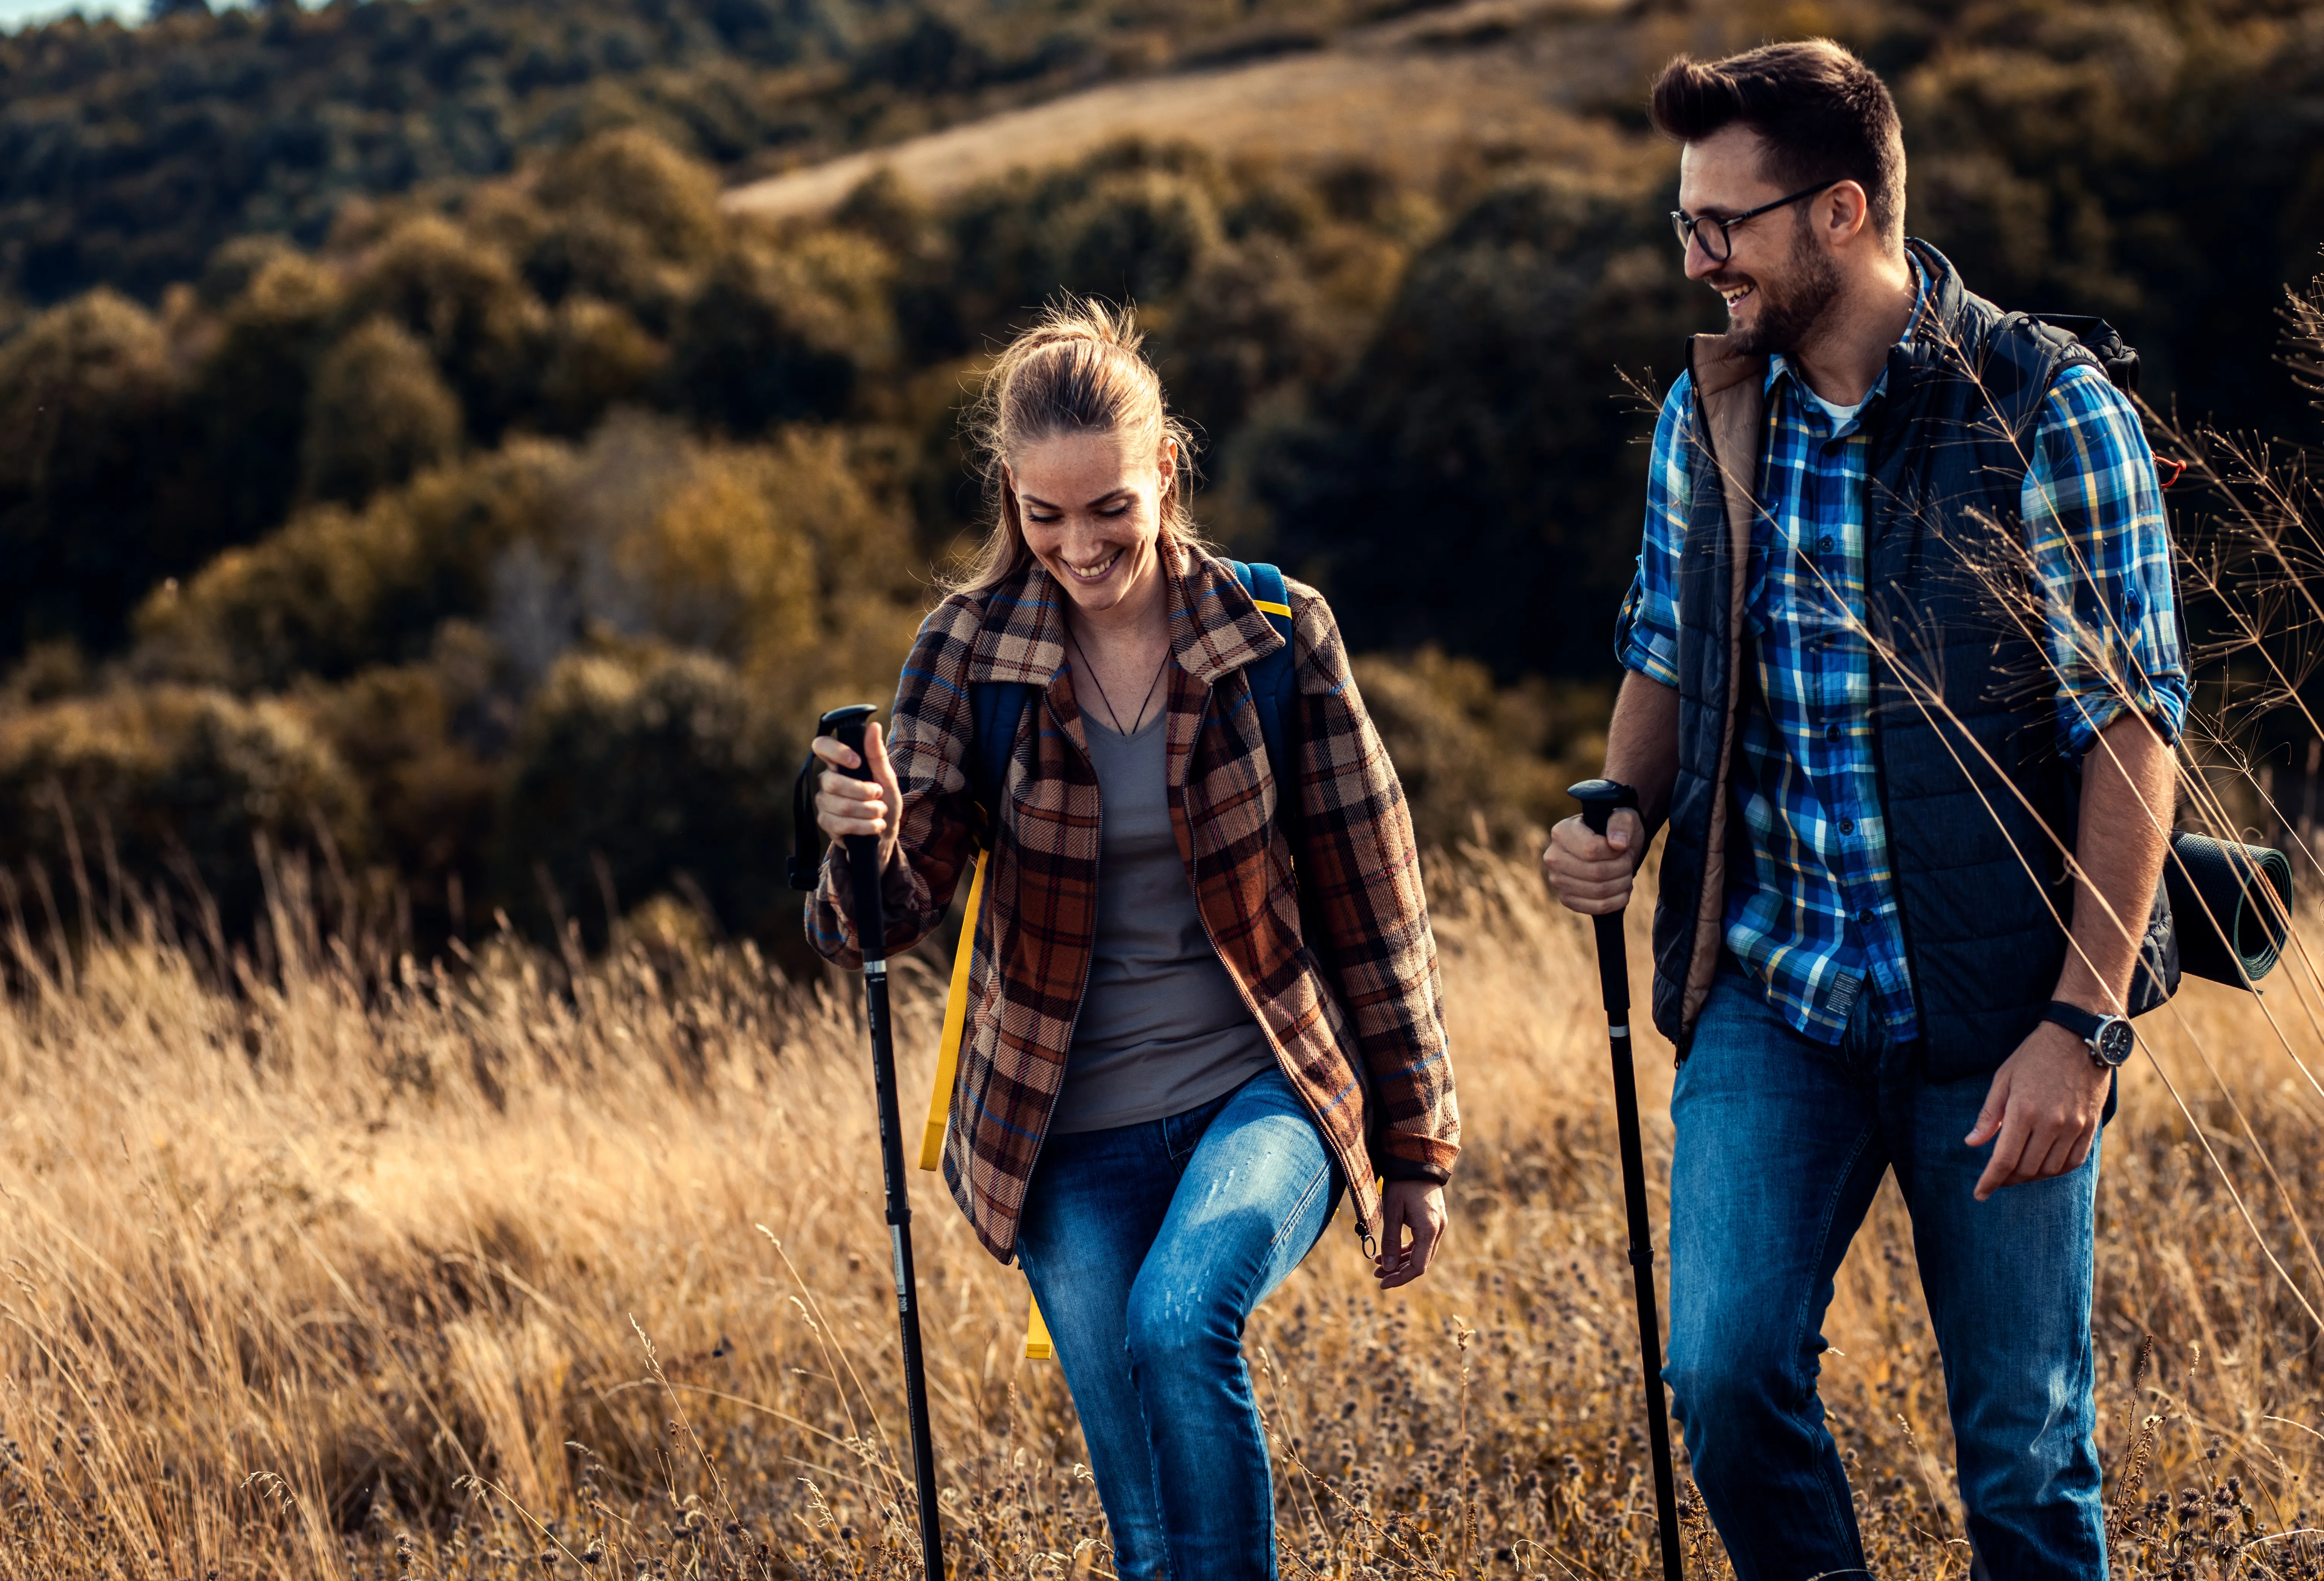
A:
(1361, 1039)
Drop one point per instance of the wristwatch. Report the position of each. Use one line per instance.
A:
(2107, 1037)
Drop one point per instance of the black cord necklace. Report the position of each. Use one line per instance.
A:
(1108, 701)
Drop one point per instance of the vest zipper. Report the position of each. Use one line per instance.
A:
(1896, 875)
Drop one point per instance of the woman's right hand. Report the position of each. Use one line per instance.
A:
(846, 805)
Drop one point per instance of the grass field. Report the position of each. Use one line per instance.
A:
(341, 1264)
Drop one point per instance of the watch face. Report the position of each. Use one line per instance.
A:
(2113, 1040)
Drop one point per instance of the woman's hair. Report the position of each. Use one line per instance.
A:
(1076, 371)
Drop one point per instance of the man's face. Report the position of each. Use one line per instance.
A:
(1778, 279)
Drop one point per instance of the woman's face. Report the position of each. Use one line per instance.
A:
(1091, 508)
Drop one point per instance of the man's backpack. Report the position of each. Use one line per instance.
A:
(2101, 340)
(2228, 905)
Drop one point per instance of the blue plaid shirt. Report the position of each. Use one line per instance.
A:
(1820, 925)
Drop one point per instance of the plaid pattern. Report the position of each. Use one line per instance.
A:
(1378, 1007)
(1821, 926)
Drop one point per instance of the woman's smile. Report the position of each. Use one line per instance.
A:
(1094, 571)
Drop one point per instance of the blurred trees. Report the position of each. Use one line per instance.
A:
(275, 311)
(549, 657)
(1469, 484)
(379, 412)
(337, 590)
(775, 335)
(1480, 762)
(520, 524)
(127, 155)
(573, 508)
(172, 787)
(95, 430)
(2141, 160)
(465, 304)
(644, 771)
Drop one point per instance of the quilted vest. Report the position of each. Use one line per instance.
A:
(1980, 807)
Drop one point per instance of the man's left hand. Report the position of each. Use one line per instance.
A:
(2044, 1107)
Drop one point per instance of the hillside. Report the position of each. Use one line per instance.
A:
(128, 154)
(492, 529)
(1407, 94)
(451, 450)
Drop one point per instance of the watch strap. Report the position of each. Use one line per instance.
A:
(2083, 1023)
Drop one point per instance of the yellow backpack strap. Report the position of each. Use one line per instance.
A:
(1037, 1333)
(956, 1024)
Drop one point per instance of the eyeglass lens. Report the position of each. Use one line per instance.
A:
(1712, 233)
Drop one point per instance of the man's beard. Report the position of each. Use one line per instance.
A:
(1789, 308)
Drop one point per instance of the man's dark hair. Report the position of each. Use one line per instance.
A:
(1822, 113)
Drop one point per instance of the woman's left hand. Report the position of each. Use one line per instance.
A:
(1418, 1205)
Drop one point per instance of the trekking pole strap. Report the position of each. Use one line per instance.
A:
(956, 1024)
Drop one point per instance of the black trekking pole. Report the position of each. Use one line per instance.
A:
(1598, 799)
(871, 927)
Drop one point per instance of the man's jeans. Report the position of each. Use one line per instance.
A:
(1780, 1144)
(1147, 1246)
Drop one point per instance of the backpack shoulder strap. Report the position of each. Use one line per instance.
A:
(999, 710)
(1274, 679)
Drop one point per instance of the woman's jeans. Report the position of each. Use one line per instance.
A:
(1780, 1141)
(1148, 1246)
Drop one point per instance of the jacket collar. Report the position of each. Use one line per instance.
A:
(1717, 367)
(1215, 628)
(1936, 337)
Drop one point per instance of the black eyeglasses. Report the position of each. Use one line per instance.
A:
(1717, 246)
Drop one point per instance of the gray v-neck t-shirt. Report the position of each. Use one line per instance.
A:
(1162, 1027)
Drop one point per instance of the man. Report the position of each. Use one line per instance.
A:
(1903, 684)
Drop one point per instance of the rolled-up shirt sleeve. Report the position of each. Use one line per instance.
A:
(1645, 634)
(2099, 541)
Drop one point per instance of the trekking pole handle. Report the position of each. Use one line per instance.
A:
(845, 725)
(1600, 798)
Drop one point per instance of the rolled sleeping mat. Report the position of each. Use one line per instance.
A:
(2231, 905)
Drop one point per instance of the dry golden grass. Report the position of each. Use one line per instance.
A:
(527, 1266)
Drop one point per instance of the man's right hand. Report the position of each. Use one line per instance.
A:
(1590, 873)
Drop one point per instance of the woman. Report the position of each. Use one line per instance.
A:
(1163, 1090)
